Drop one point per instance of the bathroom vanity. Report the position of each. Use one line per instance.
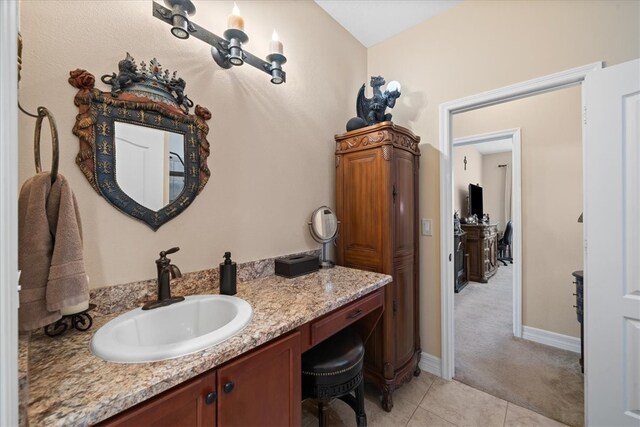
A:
(253, 378)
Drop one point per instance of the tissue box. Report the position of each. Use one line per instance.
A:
(296, 265)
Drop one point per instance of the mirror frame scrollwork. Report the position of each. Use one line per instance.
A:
(143, 97)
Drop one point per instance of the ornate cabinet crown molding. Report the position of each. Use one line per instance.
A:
(385, 133)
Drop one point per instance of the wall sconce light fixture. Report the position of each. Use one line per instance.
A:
(226, 51)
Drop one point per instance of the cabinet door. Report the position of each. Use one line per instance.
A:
(362, 199)
(405, 235)
(404, 206)
(262, 388)
(189, 404)
(404, 322)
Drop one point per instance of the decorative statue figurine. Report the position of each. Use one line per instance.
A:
(372, 110)
(457, 227)
(127, 75)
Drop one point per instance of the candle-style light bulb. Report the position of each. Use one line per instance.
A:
(275, 46)
(235, 21)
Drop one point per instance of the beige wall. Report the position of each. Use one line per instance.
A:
(478, 46)
(551, 157)
(462, 178)
(493, 179)
(271, 146)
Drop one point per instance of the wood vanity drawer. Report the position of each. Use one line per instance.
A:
(344, 316)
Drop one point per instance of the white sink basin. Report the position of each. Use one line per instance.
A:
(186, 327)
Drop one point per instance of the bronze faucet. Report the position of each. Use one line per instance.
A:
(166, 272)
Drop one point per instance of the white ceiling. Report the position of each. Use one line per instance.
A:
(373, 21)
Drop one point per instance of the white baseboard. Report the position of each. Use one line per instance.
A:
(565, 342)
(430, 363)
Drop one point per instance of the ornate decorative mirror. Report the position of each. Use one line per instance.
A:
(140, 148)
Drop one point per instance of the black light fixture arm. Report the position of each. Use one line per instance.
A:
(225, 51)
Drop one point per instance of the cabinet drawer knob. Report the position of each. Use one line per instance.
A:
(355, 314)
(228, 387)
(211, 398)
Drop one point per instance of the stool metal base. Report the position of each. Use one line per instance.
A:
(325, 395)
(334, 370)
(355, 401)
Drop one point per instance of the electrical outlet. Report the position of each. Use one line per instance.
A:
(426, 227)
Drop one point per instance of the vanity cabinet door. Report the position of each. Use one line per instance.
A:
(189, 404)
(262, 388)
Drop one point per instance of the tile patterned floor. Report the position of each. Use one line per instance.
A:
(430, 401)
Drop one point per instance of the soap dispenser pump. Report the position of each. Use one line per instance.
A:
(228, 275)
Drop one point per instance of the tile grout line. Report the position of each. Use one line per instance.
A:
(443, 419)
(434, 414)
(504, 423)
(414, 411)
(411, 417)
(429, 388)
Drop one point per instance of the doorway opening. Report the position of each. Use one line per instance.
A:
(506, 142)
(526, 89)
(488, 356)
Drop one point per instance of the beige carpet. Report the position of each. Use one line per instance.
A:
(544, 379)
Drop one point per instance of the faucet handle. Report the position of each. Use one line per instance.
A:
(169, 251)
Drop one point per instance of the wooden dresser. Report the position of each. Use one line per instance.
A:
(482, 247)
(377, 204)
(461, 261)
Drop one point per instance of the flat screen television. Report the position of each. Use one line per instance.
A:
(475, 200)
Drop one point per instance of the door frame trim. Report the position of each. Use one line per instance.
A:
(516, 211)
(524, 89)
(9, 399)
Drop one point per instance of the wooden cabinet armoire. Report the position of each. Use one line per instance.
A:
(377, 206)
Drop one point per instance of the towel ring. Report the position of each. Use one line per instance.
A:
(42, 113)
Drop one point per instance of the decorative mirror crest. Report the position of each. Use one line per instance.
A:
(147, 100)
(152, 82)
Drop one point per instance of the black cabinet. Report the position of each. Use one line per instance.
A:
(461, 276)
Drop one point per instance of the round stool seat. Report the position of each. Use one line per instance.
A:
(333, 369)
(335, 361)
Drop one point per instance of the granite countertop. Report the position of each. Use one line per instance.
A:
(70, 386)
(23, 371)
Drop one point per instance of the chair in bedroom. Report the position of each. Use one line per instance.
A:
(504, 245)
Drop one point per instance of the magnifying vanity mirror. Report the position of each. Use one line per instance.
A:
(324, 227)
(140, 148)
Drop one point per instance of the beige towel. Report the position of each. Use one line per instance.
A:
(50, 251)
